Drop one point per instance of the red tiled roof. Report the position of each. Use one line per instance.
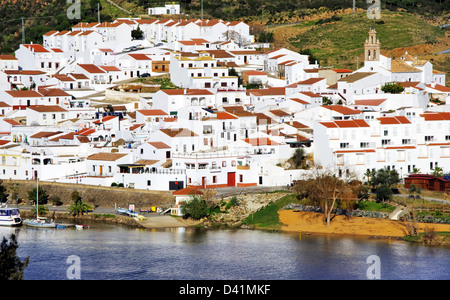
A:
(35, 48)
(261, 142)
(310, 81)
(342, 109)
(189, 190)
(370, 102)
(223, 115)
(19, 94)
(91, 68)
(310, 94)
(393, 120)
(436, 116)
(47, 108)
(152, 112)
(159, 145)
(7, 57)
(140, 56)
(345, 124)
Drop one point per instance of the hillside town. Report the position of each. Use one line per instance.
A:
(78, 108)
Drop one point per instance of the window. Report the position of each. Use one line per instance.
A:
(44, 117)
(109, 169)
(344, 145)
(447, 137)
(224, 164)
(406, 141)
(429, 138)
(364, 145)
(386, 133)
(53, 116)
(149, 182)
(385, 142)
(214, 179)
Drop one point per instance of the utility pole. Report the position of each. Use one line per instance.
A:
(202, 10)
(98, 9)
(354, 6)
(23, 31)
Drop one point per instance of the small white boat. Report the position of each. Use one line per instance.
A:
(10, 216)
(40, 223)
(82, 226)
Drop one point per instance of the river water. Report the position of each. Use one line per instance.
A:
(123, 253)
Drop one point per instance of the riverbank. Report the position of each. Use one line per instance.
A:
(152, 221)
(310, 222)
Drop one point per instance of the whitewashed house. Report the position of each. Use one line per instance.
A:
(49, 115)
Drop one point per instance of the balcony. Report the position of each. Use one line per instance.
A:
(243, 167)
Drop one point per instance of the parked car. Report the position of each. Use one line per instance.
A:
(145, 75)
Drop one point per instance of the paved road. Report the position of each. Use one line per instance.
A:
(444, 52)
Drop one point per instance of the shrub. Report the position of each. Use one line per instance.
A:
(195, 208)
(383, 193)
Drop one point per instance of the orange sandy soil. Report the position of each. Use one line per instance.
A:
(309, 222)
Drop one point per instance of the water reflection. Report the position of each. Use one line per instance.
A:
(115, 252)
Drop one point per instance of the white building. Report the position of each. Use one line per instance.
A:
(167, 9)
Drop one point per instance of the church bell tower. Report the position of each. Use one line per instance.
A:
(372, 47)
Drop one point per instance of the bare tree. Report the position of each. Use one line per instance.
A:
(325, 189)
(410, 222)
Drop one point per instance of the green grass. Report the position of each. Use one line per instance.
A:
(267, 218)
(338, 43)
(374, 206)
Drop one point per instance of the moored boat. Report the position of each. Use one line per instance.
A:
(40, 223)
(10, 216)
(82, 226)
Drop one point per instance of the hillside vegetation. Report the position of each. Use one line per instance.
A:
(338, 40)
(325, 28)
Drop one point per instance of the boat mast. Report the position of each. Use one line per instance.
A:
(37, 196)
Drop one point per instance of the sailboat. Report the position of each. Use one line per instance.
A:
(39, 222)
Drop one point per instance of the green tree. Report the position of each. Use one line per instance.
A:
(11, 267)
(43, 196)
(438, 172)
(383, 193)
(78, 207)
(137, 34)
(392, 88)
(196, 208)
(265, 37)
(385, 176)
(299, 157)
(3, 194)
